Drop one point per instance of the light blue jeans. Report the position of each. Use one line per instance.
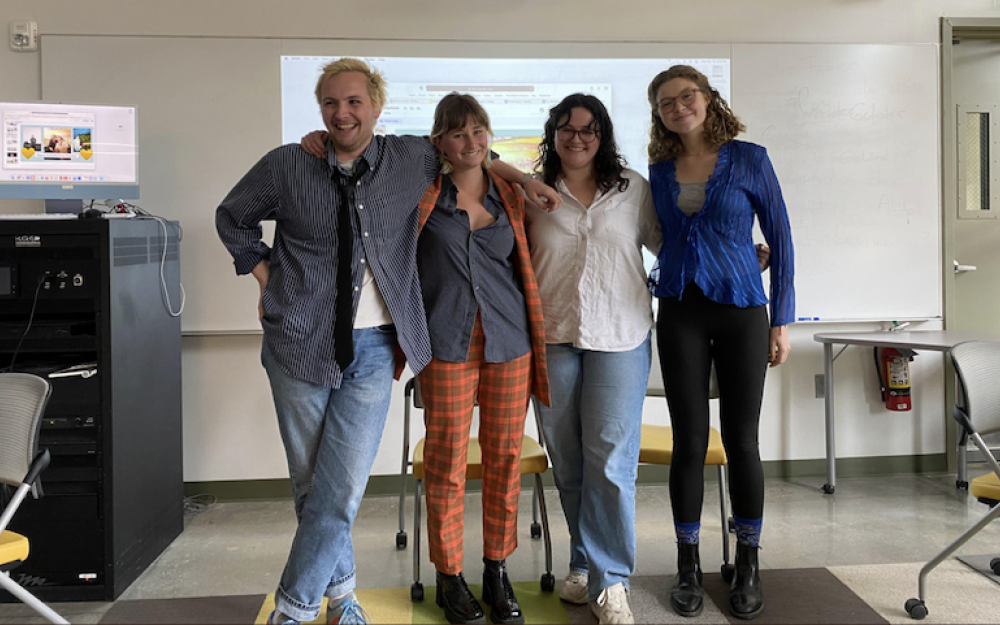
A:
(592, 434)
(331, 438)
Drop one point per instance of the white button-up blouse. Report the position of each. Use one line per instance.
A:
(588, 263)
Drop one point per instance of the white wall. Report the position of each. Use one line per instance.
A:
(229, 428)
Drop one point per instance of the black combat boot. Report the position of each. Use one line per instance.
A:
(498, 594)
(460, 606)
(746, 597)
(686, 595)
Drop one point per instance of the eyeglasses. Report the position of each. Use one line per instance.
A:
(587, 135)
(686, 98)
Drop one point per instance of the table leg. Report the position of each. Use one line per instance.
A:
(831, 451)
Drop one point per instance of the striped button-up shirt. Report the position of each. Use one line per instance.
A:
(299, 193)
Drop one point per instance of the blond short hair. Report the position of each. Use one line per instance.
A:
(376, 82)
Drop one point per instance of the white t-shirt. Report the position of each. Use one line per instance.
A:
(372, 310)
(588, 263)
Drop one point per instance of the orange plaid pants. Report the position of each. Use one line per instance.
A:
(449, 391)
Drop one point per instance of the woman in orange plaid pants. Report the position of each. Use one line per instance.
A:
(488, 341)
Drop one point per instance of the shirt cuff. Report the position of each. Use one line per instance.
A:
(246, 261)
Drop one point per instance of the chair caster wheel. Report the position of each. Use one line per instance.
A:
(960, 485)
(400, 540)
(828, 489)
(416, 592)
(916, 609)
(728, 570)
(536, 530)
(995, 565)
(548, 582)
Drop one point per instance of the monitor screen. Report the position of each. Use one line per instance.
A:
(69, 151)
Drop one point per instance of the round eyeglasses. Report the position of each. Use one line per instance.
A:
(587, 135)
(686, 98)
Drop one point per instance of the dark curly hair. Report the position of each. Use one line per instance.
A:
(608, 163)
(721, 126)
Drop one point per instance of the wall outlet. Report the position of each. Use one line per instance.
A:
(23, 36)
(820, 382)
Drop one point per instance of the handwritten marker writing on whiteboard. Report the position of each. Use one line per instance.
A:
(808, 319)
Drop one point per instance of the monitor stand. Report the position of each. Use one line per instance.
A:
(64, 206)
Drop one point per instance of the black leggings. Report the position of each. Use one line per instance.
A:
(691, 333)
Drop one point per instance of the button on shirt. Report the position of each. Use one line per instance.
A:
(589, 267)
(462, 271)
(371, 310)
(298, 192)
(714, 247)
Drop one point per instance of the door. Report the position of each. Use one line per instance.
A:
(971, 142)
(976, 214)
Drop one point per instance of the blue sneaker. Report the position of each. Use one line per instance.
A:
(348, 612)
(285, 620)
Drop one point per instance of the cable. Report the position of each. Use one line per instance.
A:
(163, 280)
(123, 206)
(31, 319)
(196, 504)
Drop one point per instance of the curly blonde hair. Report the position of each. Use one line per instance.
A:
(376, 82)
(721, 125)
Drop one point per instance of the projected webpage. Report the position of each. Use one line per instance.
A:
(65, 143)
(517, 94)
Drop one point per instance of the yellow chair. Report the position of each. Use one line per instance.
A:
(533, 461)
(657, 447)
(22, 402)
(977, 411)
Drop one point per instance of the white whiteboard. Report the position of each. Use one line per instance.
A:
(852, 131)
(862, 193)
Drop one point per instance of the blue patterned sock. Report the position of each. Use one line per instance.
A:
(748, 530)
(687, 533)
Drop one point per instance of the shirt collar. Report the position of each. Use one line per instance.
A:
(563, 189)
(449, 193)
(370, 155)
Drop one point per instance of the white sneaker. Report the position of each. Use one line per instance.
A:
(574, 588)
(612, 606)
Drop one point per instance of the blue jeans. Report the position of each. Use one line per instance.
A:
(592, 434)
(331, 438)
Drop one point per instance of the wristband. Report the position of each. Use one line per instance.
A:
(526, 178)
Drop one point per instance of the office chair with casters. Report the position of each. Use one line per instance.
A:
(22, 403)
(657, 447)
(533, 461)
(977, 410)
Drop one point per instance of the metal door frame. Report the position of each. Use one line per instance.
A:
(953, 28)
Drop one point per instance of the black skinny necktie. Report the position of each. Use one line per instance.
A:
(343, 328)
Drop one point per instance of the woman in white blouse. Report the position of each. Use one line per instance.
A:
(588, 262)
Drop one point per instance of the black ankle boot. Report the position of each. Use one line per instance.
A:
(686, 595)
(498, 594)
(460, 606)
(746, 597)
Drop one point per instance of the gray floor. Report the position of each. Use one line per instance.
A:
(240, 548)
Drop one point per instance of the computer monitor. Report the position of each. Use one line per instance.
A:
(69, 151)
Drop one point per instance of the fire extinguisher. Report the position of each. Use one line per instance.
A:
(893, 366)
